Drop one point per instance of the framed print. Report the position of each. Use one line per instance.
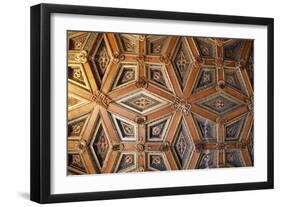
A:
(132, 103)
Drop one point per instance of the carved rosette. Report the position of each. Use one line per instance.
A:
(165, 59)
(118, 147)
(221, 146)
(142, 83)
(220, 85)
(117, 57)
(219, 63)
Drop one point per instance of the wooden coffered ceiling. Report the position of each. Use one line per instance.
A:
(150, 102)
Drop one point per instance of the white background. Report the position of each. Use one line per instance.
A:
(14, 88)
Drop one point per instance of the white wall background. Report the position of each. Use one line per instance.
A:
(14, 104)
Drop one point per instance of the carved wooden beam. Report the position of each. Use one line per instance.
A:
(101, 99)
(77, 56)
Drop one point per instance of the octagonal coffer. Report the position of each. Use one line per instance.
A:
(182, 145)
(182, 62)
(220, 103)
(100, 143)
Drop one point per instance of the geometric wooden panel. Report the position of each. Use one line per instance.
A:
(157, 130)
(208, 159)
(182, 62)
(206, 128)
(207, 78)
(156, 162)
(127, 130)
(154, 103)
(220, 103)
(182, 145)
(100, 143)
(142, 102)
(157, 75)
(127, 74)
(205, 47)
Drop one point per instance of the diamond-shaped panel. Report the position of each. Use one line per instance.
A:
(100, 59)
(142, 102)
(182, 62)
(220, 103)
(100, 143)
(182, 145)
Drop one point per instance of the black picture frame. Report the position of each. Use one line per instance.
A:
(41, 96)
